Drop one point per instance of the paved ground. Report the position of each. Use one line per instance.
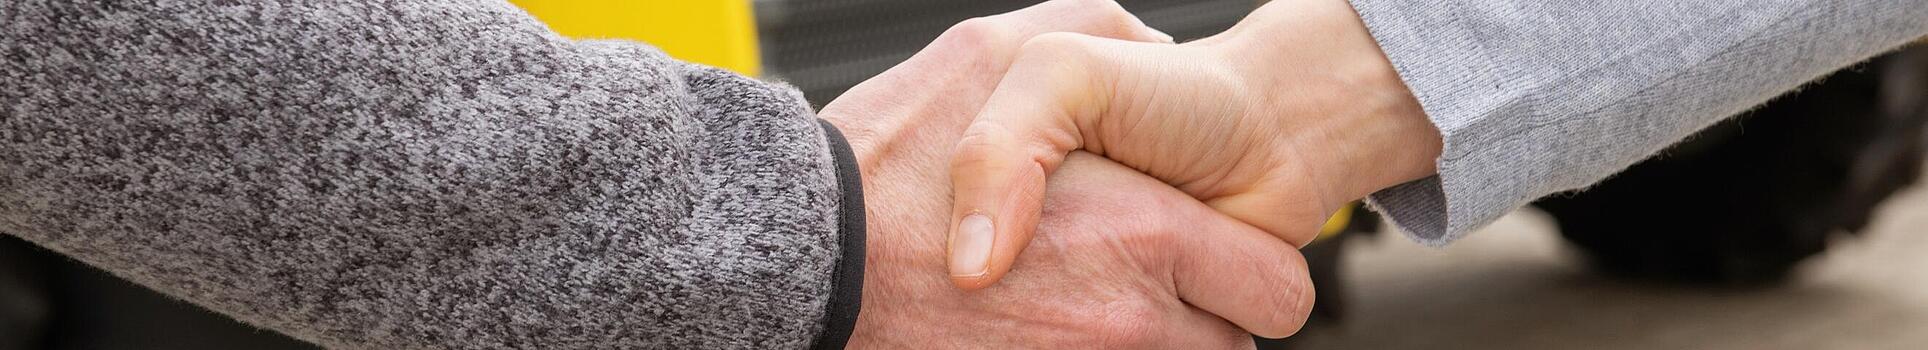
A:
(1516, 286)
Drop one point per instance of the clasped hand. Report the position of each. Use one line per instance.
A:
(1149, 194)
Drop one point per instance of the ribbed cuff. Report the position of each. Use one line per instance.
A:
(847, 283)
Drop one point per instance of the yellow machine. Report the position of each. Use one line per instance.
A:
(719, 33)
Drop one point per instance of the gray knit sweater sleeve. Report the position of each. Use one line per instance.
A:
(417, 174)
(1534, 97)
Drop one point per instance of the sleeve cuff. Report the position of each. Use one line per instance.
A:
(847, 282)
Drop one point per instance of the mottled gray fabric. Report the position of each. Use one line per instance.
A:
(415, 174)
(1535, 97)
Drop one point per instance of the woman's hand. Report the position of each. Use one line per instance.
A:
(1276, 122)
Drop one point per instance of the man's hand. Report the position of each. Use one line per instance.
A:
(1126, 261)
(1122, 261)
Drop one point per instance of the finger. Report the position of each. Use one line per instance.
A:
(1234, 274)
(1020, 136)
(1244, 275)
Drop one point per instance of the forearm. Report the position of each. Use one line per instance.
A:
(1533, 98)
(438, 174)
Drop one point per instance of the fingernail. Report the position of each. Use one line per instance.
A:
(971, 246)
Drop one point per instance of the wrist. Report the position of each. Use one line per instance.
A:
(1367, 127)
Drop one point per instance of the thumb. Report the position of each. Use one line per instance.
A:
(1018, 139)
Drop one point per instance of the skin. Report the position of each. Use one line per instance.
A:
(1122, 260)
(1277, 122)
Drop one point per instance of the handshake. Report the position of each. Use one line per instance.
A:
(454, 174)
(1064, 176)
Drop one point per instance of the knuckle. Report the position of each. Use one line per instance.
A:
(1115, 18)
(977, 33)
(1058, 51)
(978, 148)
(1105, 17)
(1287, 309)
(992, 149)
(1103, 7)
(1284, 323)
(1058, 43)
(981, 137)
(994, 138)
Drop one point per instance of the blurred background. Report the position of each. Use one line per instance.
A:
(1793, 226)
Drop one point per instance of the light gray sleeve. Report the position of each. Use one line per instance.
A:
(426, 174)
(1535, 97)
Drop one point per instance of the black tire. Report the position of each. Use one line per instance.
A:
(1747, 199)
